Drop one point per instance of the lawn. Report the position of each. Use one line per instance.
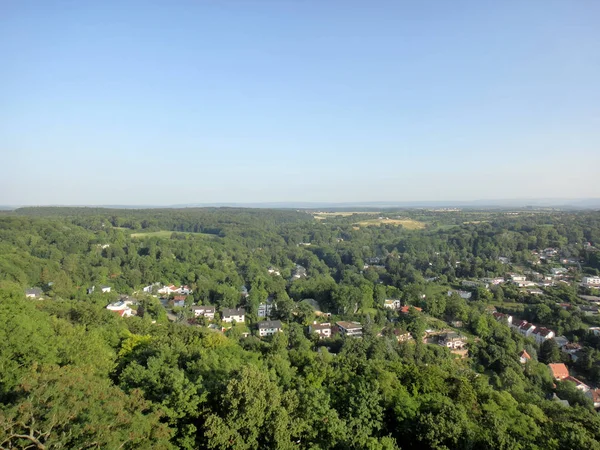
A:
(165, 234)
(409, 224)
(325, 215)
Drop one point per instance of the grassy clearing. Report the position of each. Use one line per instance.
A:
(165, 234)
(325, 215)
(409, 224)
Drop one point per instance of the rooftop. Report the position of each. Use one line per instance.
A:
(270, 324)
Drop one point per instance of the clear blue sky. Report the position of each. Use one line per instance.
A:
(170, 102)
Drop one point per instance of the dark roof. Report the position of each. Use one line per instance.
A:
(204, 308)
(233, 312)
(270, 324)
(33, 291)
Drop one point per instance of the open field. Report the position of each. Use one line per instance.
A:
(165, 234)
(409, 224)
(325, 215)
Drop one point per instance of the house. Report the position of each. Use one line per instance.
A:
(122, 308)
(594, 395)
(402, 337)
(474, 284)
(504, 259)
(591, 281)
(406, 308)
(33, 293)
(273, 271)
(452, 340)
(462, 294)
(517, 323)
(244, 291)
(542, 334)
(264, 309)
(205, 311)
(237, 314)
(185, 290)
(590, 298)
(561, 341)
(322, 329)
(527, 329)
(558, 270)
(559, 371)
(457, 323)
(501, 317)
(494, 281)
(557, 399)
(148, 289)
(105, 289)
(571, 348)
(90, 290)
(578, 384)
(516, 277)
(524, 357)
(594, 330)
(349, 328)
(589, 310)
(299, 272)
(269, 327)
(523, 283)
(178, 301)
(535, 292)
(171, 289)
(391, 303)
(550, 252)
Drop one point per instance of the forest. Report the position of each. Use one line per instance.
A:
(74, 374)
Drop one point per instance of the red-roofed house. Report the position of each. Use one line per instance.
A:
(594, 394)
(501, 317)
(527, 329)
(559, 371)
(578, 384)
(542, 334)
(524, 357)
(406, 309)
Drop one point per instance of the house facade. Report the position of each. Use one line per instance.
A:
(391, 303)
(349, 328)
(269, 327)
(237, 314)
(264, 309)
(452, 340)
(322, 329)
(205, 311)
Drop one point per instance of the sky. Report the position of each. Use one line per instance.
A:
(173, 102)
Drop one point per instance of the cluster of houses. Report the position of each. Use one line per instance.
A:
(527, 329)
(560, 372)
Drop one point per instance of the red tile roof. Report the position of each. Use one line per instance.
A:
(405, 309)
(559, 371)
(524, 354)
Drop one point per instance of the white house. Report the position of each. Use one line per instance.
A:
(527, 329)
(122, 308)
(452, 340)
(591, 281)
(500, 316)
(205, 311)
(558, 270)
(269, 327)
(237, 314)
(542, 334)
(105, 289)
(517, 277)
(349, 328)
(392, 303)
(462, 294)
(33, 293)
(264, 309)
(322, 329)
